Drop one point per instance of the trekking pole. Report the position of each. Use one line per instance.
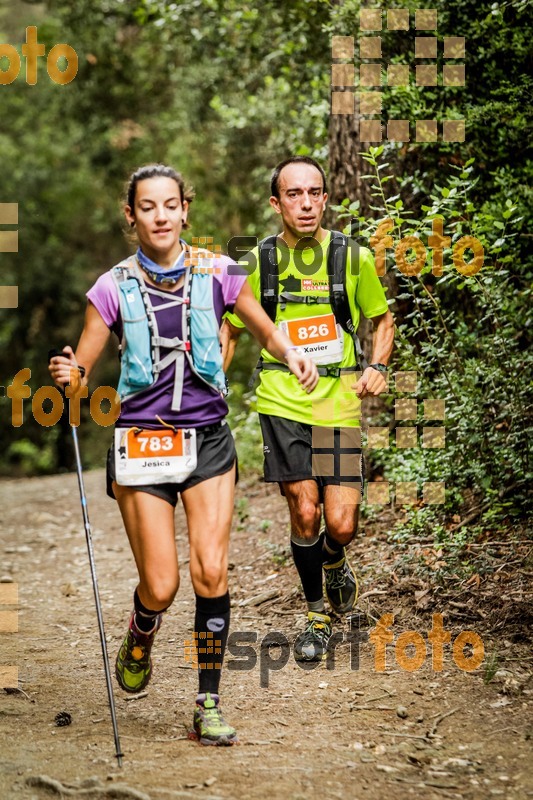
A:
(88, 537)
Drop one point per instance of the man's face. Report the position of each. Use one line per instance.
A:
(302, 200)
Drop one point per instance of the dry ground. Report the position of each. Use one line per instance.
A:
(327, 733)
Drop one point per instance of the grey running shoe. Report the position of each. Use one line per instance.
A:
(312, 644)
(341, 584)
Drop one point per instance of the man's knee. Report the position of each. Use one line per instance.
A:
(305, 517)
(342, 529)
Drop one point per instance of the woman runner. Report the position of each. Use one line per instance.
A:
(182, 391)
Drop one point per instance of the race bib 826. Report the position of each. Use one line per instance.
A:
(320, 337)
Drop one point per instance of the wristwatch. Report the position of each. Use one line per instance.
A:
(380, 368)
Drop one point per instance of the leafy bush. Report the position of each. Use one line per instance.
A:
(244, 424)
(24, 457)
(468, 338)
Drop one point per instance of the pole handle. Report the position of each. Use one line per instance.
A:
(55, 352)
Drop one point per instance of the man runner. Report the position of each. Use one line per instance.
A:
(312, 445)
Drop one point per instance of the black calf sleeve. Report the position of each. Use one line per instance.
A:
(331, 549)
(144, 617)
(211, 626)
(308, 562)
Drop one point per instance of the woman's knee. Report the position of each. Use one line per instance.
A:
(210, 576)
(158, 593)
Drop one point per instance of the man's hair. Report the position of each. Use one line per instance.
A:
(274, 180)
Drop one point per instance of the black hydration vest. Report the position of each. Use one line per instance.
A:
(338, 298)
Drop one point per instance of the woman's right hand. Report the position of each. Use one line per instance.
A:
(60, 367)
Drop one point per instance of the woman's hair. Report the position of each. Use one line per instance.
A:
(157, 171)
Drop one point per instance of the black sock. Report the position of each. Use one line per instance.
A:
(331, 550)
(144, 618)
(308, 562)
(211, 626)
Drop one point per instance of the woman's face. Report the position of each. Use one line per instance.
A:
(158, 214)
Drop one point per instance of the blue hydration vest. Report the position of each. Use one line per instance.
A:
(141, 361)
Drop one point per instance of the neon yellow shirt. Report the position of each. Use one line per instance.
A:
(333, 403)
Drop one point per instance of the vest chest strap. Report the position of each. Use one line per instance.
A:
(306, 299)
(171, 344)
(323, 371)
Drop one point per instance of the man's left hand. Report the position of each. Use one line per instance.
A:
(371, 382)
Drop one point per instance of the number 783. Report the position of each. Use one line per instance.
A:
(155, 443)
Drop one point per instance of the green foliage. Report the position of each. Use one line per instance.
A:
(214, 88)
(280, 554)
(24, 457)
(224, 90)
(468, 337)
(492, 664)
(242, 511)
(244, 424)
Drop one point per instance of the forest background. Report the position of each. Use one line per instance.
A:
(225, 90)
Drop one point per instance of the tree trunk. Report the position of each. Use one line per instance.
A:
(346, 167)
(346, 171)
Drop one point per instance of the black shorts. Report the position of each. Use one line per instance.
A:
(216, 456)
(294, 451)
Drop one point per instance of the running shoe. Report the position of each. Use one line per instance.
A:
(209, 724)
(341, 584)
(133, 666)
(312, 644)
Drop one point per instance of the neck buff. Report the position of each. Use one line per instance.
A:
(159, 274)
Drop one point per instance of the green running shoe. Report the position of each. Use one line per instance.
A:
(341, 585)
(133, 666)
(209, 725)
(312, 644)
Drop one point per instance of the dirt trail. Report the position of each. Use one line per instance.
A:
(327, 733)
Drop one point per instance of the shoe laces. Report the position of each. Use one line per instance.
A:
(336, 577)
(139, 641)
(336, 581)
(317, 629)
(211, 712)
(135, 656)
(212, 715)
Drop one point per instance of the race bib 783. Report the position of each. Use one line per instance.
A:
(160, 456)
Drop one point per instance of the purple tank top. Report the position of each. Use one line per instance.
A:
(200, 404)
